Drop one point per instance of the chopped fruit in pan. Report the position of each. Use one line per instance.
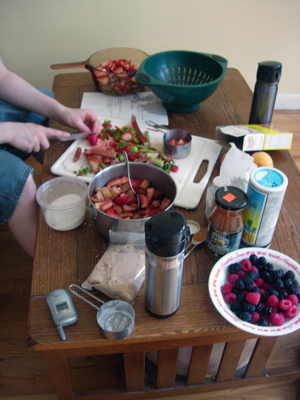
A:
(112, 200)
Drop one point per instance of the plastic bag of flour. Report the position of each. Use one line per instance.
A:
(120, 272)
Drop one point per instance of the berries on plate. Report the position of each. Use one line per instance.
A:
(260, 294)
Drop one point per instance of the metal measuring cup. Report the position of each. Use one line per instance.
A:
(116, 318)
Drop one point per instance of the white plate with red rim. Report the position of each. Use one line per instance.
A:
(218, 277)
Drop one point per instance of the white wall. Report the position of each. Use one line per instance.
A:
(35, 34)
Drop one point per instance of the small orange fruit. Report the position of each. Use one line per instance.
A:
(262, 159)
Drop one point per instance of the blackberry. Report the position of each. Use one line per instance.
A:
(283, 295)
(234, 268)
(262, 261)
(264, 297)
(269, 266)
(234, 307)
(253, 275)
(294, 289)
(255, 290)
(267, 311)
(278, 284)
(253, 259)
(273, 291)
(270, 278)
(239, 285)
(263, 322)
(235, 290)
(251, 308)
(245, 316)
(278, 273)
(241, 298)
(289, 275)
(248, 283)
(288, 283)
(264, 274)
(259, 308)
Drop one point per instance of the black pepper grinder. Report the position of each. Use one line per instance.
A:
(265, 91)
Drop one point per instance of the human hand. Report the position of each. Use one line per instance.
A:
(83, 119)
(28, 137)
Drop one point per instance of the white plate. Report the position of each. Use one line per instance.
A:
(189, 193)
(218, 277)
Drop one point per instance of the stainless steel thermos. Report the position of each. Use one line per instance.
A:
(265, 91)
(165, 236)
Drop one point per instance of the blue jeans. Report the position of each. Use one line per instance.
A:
(14, 171)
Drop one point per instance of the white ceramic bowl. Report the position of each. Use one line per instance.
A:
(218, 277)
(63, 201)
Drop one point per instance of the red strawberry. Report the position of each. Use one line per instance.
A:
(253, 298)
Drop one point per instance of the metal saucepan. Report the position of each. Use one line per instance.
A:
(115, 318)
(106, 84)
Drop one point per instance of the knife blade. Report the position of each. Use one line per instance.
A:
(73, 136)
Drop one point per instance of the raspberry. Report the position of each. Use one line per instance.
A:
(267, 286)
(253, 298)
(246, 264)
(255, 318)
(226, 288)
(230, 298)
(285, 304)
(291, 312)
(232, 278)
(294, 299)
(241, 274)
(260, 282)
(277, 319)
(272, 301)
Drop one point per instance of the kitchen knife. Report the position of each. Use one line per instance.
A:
(73, 136)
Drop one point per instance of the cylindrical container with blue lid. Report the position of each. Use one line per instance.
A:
(265, 193)
(165, 235)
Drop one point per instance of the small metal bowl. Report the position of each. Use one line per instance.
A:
(177, 151)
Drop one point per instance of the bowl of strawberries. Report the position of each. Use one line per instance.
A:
(113, 70)
(113, 204)
(257, 290)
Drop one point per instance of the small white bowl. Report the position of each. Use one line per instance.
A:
(218, 277)
(63, 201)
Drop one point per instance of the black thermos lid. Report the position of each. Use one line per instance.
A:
(269, 71)
(166, 233)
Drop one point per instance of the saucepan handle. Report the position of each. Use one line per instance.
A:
(86, 292)
(78, 64)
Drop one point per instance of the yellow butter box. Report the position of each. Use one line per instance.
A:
(255, 137)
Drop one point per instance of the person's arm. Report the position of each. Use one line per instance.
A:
(19, 92)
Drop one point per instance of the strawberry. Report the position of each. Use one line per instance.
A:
(165, 204)
(181, 142)
(93, 139)
(105, 206)
(144, 201)
(114, 182)
(150, 192)
(127, 136)
(173, 142)
(103, 81)
(144, 184)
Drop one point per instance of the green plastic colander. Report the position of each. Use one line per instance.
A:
(182, 79)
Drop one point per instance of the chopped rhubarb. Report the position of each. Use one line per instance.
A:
(94, 163)
(77, 154)
(101, 151)
(141, 136)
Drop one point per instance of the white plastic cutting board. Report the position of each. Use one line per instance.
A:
(188, 193)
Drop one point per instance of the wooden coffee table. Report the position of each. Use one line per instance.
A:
(63, 258)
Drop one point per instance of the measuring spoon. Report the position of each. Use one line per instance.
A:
(198, 237)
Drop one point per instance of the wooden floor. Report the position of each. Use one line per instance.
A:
(24, 375)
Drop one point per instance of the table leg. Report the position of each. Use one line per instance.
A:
(134, 364)
(58, 366)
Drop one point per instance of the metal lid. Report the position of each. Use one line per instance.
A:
(166, 233)
(269, 71)
(230, 198)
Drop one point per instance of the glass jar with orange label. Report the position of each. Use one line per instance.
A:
(226, 221)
